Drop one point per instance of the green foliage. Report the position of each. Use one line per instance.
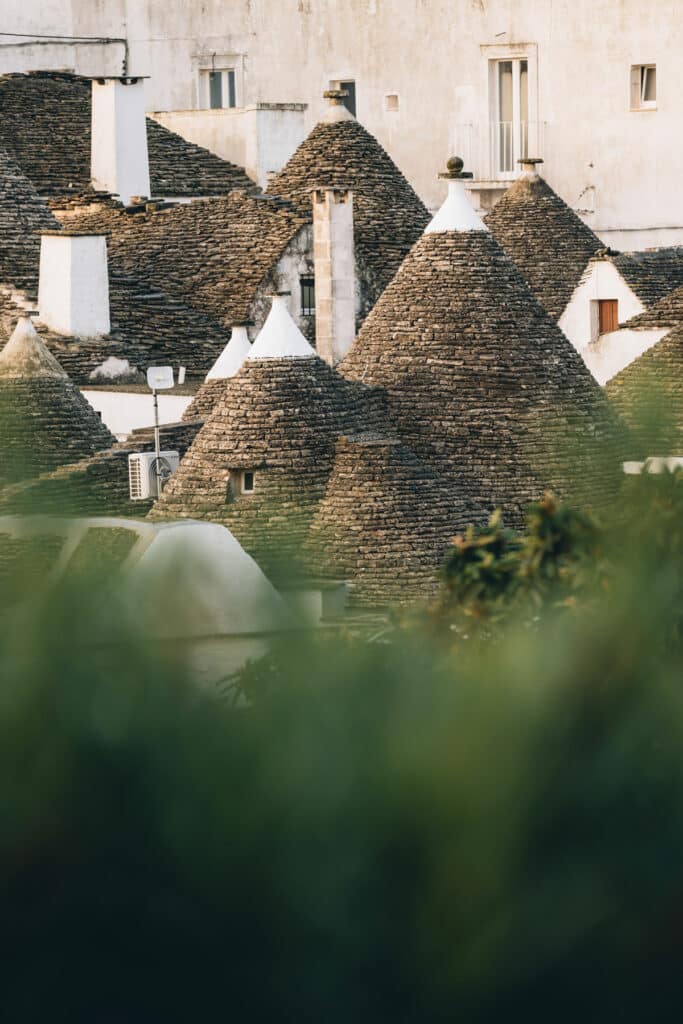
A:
(403, 830)
(493, 573)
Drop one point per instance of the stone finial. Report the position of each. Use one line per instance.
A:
(335, 96)
(337, 110)
(454, 169)
(457, 212)
(529, 165)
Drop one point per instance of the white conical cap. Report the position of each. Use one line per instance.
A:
(280, 338)
(232, 356)
(457, 212)
(25, 355)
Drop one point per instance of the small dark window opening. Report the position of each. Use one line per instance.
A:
(215, 89)
(247, 482)
(350, 100)
(307, 296)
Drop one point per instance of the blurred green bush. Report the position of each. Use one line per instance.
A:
(420, 829)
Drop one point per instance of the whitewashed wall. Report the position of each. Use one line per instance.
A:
(433, 55)
(261, 138)
(123, 411)
(601, 281)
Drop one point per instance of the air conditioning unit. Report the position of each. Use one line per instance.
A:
(142, 473)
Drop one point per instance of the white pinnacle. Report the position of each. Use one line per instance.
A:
(457, 212)
(232, 356)
(280, 338)
(25, 355)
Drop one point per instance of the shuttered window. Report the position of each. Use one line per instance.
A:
(608, 313)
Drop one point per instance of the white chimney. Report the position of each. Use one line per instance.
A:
(73, 288)
(119, 160)
(335, 273)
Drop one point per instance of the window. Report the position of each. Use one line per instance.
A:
(248, 479)
(307, 296)
(644, 87)
(219, 88)
(350, 100)
(510, 115)
(391, 102)
(608, 315)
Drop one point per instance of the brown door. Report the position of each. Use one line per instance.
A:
(609, 315)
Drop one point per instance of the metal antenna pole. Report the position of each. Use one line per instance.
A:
(157, 461)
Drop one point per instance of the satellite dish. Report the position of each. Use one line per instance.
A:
(160, 378)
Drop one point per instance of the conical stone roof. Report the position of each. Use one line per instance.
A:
(481, 383)
(388, 214)
(385, 523)
(23, 214)
(545, 239)
(278, 418)
(45, 421)
(648, 395)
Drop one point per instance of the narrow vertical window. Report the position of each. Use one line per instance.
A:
(509, 115)
(307, 296)
(247, 482)
(232, 97)
(215, 89)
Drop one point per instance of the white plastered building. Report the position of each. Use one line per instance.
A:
(593, 86)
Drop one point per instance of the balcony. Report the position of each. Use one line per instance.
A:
(491, 151)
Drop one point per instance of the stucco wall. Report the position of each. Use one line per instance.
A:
(611, 353)
(434, 55)
(124, 411)
(260, 139)
(600, 281)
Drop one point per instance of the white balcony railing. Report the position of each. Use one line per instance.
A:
(492, 150)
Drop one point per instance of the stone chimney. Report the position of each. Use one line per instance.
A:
(73, 289)
(119, 159)
(334, 264)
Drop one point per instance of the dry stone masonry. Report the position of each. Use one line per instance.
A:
(278, 418)
(545, 239)
(482, 385)
(388, 215)
(385, 523)
(45, 421)
(45, 126)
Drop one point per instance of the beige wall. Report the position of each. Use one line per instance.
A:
(434, 55)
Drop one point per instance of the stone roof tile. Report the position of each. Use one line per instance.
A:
(648, 395)
(651, 274)
(545, 239)
(45, 127)
(45, 421)
(279, 418)
(385, 523)
(22, 215)
(388, 215)
(481, 383)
